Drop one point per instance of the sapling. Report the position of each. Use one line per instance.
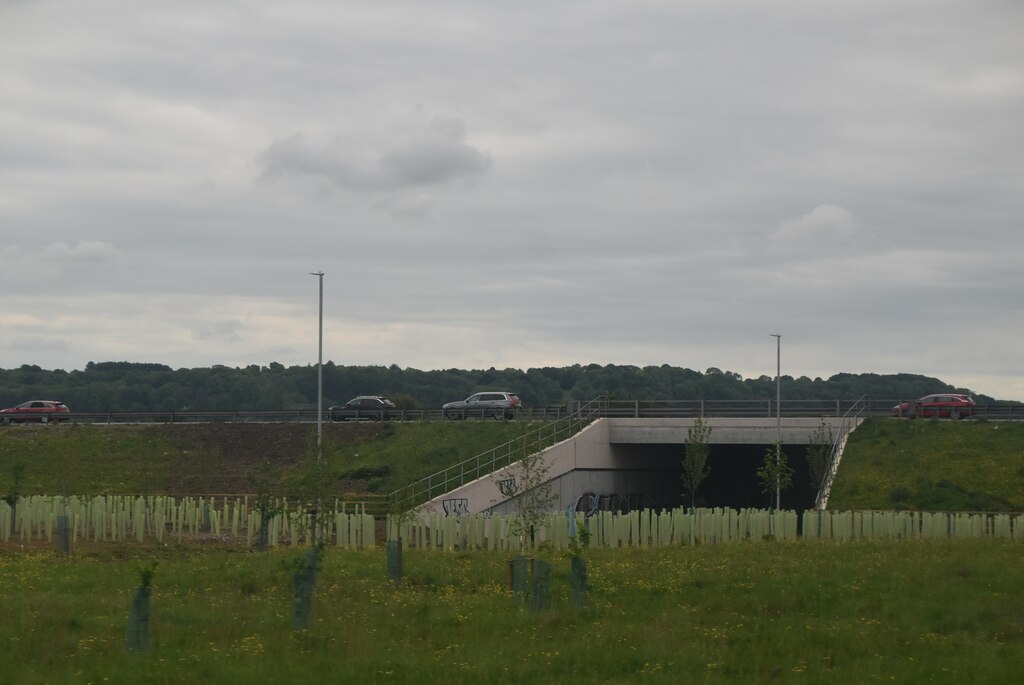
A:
(527, 484)
(775, 474)
(695, 458)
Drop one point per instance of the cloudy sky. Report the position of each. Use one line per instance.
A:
(516, 184)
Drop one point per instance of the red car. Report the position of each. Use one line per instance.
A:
(939, 405)
(43, 411)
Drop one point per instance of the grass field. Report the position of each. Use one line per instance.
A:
(193, 459)
(932, 465)
(806, 612)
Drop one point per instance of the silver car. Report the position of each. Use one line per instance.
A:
(500, 405)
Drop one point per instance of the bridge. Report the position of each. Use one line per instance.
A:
(639, 460)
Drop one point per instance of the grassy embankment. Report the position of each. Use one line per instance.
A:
(932, 465)
(809, 612)
(921, 464)
(195, 459)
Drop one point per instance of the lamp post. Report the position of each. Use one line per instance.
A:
(320, 373)
(778, 417)
(319, 411)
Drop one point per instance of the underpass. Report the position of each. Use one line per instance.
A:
(638, 461)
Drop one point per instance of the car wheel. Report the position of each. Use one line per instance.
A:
(5, 420)
(499, 415)
(954, 414)
(44, 419)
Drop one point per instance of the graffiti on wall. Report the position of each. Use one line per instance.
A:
(456, 505)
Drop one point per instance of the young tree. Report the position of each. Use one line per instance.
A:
(260, 479)
(695, 458)
(819, 451)
(527, 484)
(776, 474)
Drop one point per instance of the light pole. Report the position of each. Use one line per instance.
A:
(320, 373)
(778, 417)
(319, 412)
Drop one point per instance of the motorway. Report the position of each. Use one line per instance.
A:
(593, 409)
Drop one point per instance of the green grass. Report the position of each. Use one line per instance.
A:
(920, 464)
(932, 465)
(809, 612)
(407, 452)
(115, 460)
(191, 459)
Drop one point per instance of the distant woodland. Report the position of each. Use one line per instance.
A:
(127, 386)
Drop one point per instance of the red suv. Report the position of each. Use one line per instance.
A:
(940, 405)
(43, 411)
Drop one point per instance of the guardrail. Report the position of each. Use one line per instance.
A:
(605, 407)
(552, 413)
(850, 420)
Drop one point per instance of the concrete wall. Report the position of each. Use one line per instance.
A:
(724, 431)
(608, 456)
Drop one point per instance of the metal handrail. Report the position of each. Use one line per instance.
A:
(850, 420)
(425, 489)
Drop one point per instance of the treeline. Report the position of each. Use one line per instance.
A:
(133, 387)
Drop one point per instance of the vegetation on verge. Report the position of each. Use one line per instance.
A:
(275, 459)
(929, 465)
(932, 465)
(904, 612)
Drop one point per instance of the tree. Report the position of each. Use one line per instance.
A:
(527, 484)
(819, 451)
(695, 458)
(776, 474)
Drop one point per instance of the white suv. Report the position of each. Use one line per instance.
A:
(500, 405)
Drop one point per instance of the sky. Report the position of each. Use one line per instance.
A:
(516, 185)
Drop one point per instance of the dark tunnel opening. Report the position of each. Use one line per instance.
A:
(733, 481)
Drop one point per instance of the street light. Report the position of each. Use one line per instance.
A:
(320, 373)
(319, 410)
(778, 417)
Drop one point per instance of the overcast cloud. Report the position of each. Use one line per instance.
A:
(516, 184)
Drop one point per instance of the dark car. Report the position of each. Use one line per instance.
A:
(43, 411)
(500, 405)
(939, 405)
(372, 407)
